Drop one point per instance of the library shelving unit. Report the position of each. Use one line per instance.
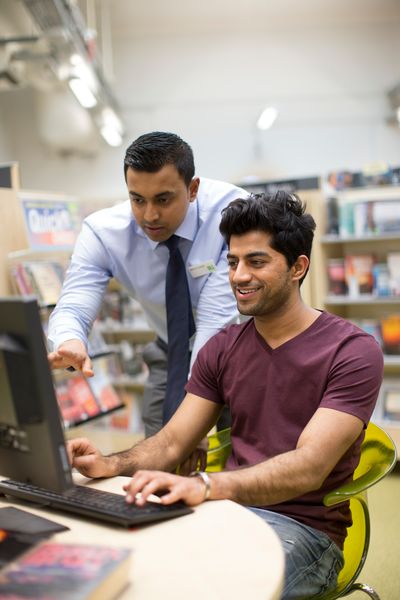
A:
(33, 263)
(357, 235)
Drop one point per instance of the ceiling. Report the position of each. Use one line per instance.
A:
(117, 20)
(131, 18)
(149, 38)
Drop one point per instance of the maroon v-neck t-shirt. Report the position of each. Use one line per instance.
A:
(273, 393)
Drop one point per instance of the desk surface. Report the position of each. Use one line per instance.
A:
(221, 551)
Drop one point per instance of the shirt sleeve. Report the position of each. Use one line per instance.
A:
(216, 307)
(84, 286)
(355, 378)
(203, 381)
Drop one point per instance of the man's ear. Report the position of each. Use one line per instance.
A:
(194, 188)
(299, 268)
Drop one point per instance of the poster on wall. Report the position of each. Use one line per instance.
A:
(52, 221)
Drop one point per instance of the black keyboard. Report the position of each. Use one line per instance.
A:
(95, 504)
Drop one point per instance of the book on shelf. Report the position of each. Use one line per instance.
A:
(40, 278)
(363, 218)
(337, 284)
(381, 279)
(388, 404)
(67, 572)
(359, 274)
(20, 280)
(390, 330)
(76, 400)
(393, 263)
(82, 399)
(101, 383)
(386, 216)
(368, 217)
(346, 218)
(46, 280)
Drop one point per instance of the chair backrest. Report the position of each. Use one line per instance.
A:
(355, 546)
(219, 448)
(378, 457)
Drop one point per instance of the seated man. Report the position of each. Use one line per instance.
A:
(300, 384)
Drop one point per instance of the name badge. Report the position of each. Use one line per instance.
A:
(204, 268)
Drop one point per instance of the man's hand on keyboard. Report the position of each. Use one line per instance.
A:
(191, 490)
(88, 460)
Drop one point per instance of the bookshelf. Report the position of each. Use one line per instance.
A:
(13, 234)
(38, 234)
(368, 225)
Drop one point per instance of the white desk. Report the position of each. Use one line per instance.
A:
(221, 551)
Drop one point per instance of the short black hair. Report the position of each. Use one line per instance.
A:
(282, 215)
(152, 151)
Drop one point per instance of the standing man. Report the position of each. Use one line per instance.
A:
(301, 385)
(165, 248)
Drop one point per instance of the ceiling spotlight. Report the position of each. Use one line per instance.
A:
(267, 118)
(82, 92)
(111, 127)
(111, 135)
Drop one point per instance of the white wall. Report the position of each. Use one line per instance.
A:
(329, 85)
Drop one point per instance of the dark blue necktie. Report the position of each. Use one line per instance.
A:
(180, 327)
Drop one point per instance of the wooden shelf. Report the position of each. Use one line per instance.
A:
(130, 383)
(391, 360)
(368, 306)
(339, 239)
(364, 299)
(136, 336)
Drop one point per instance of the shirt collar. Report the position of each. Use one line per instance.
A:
(187, 229)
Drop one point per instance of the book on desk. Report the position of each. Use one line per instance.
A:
(57, 571)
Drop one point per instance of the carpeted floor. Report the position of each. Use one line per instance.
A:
(382, 567)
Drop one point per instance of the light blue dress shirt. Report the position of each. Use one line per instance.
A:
(111, 244)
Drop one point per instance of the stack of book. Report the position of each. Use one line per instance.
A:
(355, 275)
(67, 572)
(82, 399)
(369, 217)
(42, 278)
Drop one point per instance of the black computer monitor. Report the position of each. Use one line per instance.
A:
(32, 447)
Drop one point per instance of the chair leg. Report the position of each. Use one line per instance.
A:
(364, 588)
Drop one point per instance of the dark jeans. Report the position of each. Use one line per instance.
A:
(312, 559)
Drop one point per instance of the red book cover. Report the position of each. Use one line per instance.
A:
(101, 385)
(82, 396)
(67, 572)
(336, 277)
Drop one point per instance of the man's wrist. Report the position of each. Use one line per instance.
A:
(206, 480)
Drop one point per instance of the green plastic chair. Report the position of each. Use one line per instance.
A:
(378, 458)
(219, 448)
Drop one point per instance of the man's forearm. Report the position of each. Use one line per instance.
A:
(276, 480)
(156, 452)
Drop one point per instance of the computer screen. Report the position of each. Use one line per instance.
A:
(32, 447)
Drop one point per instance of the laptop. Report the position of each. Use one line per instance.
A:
(33, 457)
